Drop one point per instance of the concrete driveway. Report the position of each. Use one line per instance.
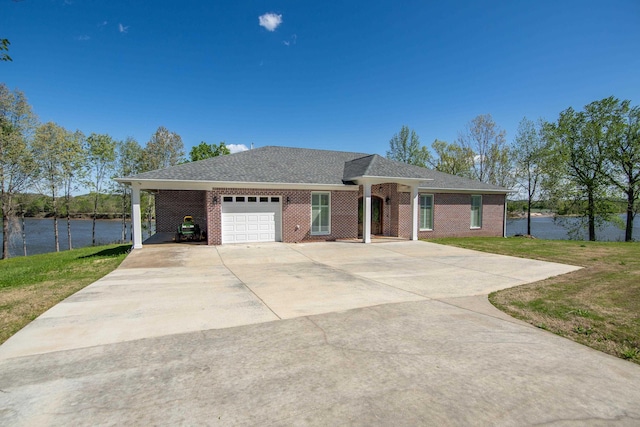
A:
(307, 334)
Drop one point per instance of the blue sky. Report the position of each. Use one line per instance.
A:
(343, 75)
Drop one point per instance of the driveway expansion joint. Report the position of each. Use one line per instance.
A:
(245, 285)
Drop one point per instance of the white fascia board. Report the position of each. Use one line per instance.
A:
(374, 180)
(155, 184)
(465, 190)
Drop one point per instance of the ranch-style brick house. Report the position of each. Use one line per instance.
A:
(292, 195)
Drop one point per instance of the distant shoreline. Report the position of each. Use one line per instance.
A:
(523, 215)
(81, 217)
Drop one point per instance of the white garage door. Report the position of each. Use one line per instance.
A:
(251, 219)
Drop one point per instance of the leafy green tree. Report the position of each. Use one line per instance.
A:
(205, 151)
(580, 141)
(128, 163)
(17, 167)
(49, 149)
(492, 159)
(529, 153)
(405, 147)
(73, 172)
(452, 158)
(623, 153)
(101, 156)
(4, 48)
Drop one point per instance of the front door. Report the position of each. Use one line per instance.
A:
(376, 216)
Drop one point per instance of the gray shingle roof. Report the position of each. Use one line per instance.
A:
(305, 166)
(265, 164)
(377, 166)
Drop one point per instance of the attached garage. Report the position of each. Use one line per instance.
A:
(251, 219)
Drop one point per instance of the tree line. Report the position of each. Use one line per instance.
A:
(47, 159)
(586, 161)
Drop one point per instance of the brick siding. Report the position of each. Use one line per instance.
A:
(452, 213)
(173, 205)
(296, 213)
(452, 216)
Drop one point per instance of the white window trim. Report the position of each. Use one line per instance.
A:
(471, 226)
(432, 211)
(319, 233)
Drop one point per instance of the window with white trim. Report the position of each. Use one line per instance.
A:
(476, 211)
(320, 213)
(426, 212)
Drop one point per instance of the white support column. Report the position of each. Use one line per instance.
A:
(414, 212)
(504, 220)
(366, 213)
(136, 218)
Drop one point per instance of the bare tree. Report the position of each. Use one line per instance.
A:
(528, 154)
(164, 149)
(491, 162)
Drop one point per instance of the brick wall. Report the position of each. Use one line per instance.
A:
(452, 213)
(173, 205)
(296, 213)
(452, 216)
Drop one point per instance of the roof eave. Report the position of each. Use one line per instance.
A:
(468, 190)
(178, 184)
(384, 179)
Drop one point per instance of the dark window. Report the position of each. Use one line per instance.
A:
(228, 199)
(264, 199)
(240, 199)
(252, 199)
(275, 199)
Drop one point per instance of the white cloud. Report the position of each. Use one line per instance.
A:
(270, 21)
(103, 24)
(236, 148)
(83, 37)
(122, 28)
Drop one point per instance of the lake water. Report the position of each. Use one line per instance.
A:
(40, 237)
(39, 233)
(552, 229)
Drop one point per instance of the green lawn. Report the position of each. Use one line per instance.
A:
(598, 306)
(31, 285)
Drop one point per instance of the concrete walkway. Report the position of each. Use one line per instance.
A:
(310, 334)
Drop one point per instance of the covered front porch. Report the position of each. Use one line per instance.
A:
(388, 209)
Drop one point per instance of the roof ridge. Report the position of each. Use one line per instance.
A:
(371, 162)
(313, 149)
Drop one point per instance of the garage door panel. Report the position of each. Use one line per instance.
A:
(240, 226)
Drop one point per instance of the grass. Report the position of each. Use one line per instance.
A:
(598, 306)
(31, 285)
